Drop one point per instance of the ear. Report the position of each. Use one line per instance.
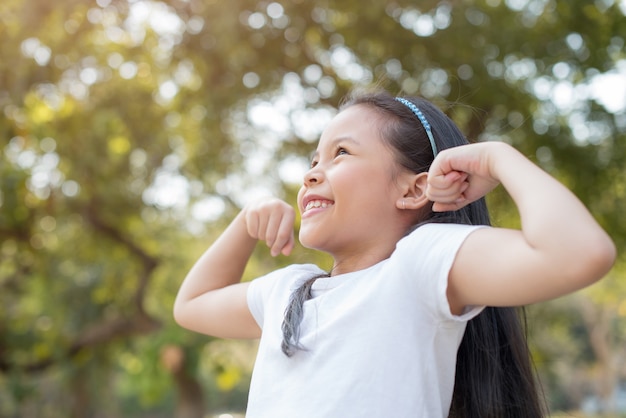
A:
(414, 188)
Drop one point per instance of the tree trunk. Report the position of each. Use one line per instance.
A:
(190, 395)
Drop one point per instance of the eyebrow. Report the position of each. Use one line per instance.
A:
(334, 143)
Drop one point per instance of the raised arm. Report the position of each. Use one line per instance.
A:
(559, 249)
(211, 299)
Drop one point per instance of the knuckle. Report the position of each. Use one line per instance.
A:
(270, 237)
(283, 236)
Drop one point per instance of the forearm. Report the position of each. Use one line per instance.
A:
(222, 264)
(211, 300)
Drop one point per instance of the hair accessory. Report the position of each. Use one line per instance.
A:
(422, 120)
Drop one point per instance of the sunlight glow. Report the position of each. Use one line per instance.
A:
(609, 89)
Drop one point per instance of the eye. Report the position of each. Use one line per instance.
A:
(313, 163)
(341, 151)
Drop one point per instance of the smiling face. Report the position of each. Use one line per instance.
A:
(349, 199)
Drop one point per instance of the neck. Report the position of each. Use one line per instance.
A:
(349, 257)
(359, 260)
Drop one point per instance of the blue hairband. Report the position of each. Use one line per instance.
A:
(422, 119)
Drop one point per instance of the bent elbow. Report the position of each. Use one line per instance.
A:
(600, 258)
(179, 313)
(608, 256)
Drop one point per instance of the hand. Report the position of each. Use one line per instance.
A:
(461, 175)
(271, 220)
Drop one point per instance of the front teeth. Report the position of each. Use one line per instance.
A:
(317, 204)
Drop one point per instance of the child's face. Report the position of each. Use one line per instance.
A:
(349, 197)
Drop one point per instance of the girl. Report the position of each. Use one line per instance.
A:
(412, 320)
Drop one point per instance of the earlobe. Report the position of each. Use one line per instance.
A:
(415, 193)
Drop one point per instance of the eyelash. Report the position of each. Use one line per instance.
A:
(339, 151)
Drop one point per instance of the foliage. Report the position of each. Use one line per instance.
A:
(132, 131)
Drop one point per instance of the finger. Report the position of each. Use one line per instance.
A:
(262, 226)
(465, 158)
(270, 231)
(447, 179)
(284, 237)
(446, 186)
(448, 194)
(283, 244)
(449, 207)
(290, 244)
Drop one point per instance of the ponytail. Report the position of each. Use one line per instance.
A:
(495, 377)
(293, 316)
(494, 372)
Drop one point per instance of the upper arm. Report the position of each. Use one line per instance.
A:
(498, 267)
(221, 313)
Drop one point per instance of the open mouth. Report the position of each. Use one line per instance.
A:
(317, 203)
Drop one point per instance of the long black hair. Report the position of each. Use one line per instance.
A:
(495, 377)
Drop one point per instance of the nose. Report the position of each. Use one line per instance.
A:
(313, 176)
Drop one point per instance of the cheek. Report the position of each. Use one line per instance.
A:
(366, 185)
(299, 198)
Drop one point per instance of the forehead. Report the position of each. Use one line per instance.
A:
(358, 122)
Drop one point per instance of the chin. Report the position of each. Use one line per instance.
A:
(309, 242)
(306, 243)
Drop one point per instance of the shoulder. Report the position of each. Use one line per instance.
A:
(437, 236)
(430, 250)
(426, 256)
(291, 271)
(273, 289)
(287, 277)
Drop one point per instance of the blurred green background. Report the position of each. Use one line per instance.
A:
(131, 132)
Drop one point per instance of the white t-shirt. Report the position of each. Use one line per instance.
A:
(380, 342)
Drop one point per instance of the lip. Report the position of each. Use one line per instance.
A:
(309, 198)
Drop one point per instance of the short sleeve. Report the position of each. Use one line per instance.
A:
(428, 254)
(255, 300)
(274, 288)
